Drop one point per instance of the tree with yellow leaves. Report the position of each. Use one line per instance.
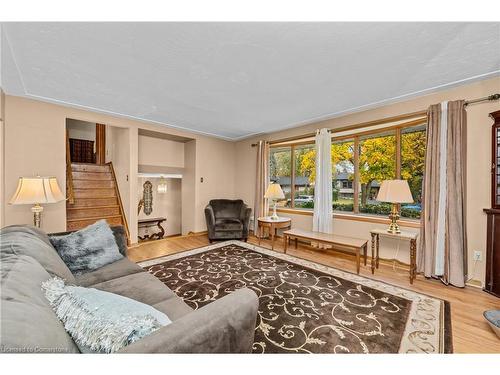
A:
(377, 161)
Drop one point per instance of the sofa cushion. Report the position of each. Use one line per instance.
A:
(28, 229)
(28, 322)
(223, 225)
(22, 240)
(175, 308)
(122, 267)
(100, 321)
(89, 248)
(142, 287)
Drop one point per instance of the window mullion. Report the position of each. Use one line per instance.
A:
(356, 175)
(292, 176)
(398, 153)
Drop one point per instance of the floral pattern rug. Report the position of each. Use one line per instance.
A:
(305, 307)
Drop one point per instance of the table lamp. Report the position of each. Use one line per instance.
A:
(395, 192)
(274, 192)
(37, 190)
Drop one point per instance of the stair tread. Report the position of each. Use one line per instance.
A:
(96, 188)
(92, 207)
(82, 198)
(91, 188)
(92, 179)
(94, 218)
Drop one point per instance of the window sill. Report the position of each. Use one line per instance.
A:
(355, 217)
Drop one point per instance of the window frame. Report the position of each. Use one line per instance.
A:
(357, 133)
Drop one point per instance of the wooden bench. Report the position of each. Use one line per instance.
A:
(357, 244)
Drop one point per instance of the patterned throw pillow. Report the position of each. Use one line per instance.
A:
(88, 249)
(98, 321)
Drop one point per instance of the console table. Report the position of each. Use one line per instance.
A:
(146, 223)
(410, 236)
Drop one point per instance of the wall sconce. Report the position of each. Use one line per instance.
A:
(162, 186)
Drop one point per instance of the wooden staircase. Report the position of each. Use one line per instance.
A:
(93, 195)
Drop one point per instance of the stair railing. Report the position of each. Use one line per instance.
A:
(70, 193)
(122, 211)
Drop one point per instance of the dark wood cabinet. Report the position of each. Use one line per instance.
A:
(495, 161)
(492, 282)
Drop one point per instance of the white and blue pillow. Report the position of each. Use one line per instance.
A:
(99, 321)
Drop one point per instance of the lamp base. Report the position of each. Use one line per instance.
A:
(394, 217)
(37, 215)
(274, 216)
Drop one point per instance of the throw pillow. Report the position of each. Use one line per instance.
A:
(100, 321)
(88, 249)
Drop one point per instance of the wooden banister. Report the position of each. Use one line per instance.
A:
(69, 174)
(124, 217)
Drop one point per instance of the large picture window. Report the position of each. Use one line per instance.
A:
(280, 171)
(343, 175)
(304, 176)
(413, 140)
(360, 162)
(377, 162)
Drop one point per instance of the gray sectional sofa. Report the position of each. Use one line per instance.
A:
(28, 323)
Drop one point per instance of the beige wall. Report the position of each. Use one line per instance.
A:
(164, 205)
(2, 174)
(216, 166)
(478, 164)
(160, 152)
(189, 189)
(35, 144)
(119, 144)
(81, 129)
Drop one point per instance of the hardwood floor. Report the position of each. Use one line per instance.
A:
(471, 333)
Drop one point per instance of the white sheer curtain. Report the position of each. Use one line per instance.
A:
(322, 218)
(261, 205)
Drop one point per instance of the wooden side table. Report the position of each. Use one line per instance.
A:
(411, 236)
(273, 226)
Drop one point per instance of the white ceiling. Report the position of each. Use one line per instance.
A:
(233, 80)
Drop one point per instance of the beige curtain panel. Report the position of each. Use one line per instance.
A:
(261, 206)
(443, 244)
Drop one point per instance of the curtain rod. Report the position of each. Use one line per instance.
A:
(488, 98)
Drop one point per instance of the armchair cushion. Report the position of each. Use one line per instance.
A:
(228, 225)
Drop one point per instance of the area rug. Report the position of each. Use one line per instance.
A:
(306, 307)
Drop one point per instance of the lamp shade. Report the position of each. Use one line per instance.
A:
(33, 190)
(395, 191)
(274, 192)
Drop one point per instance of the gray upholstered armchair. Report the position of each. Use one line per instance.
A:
(227, 219)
